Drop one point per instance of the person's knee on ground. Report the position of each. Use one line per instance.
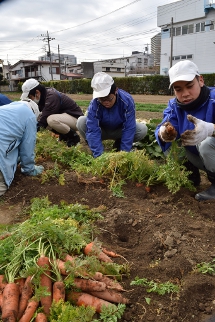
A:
(81, 126)
(141, 131)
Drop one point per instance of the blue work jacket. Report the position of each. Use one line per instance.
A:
(121, 115)
(4, 100)
(17, 139)
(178, 118)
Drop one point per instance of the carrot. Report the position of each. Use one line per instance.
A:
(69, 258)
(45, 281)
(58, 291)
(1, 299)
(10, 302)
(89, 285)
(3, 283)
(93, 249)
(41, 317)
(26, 294)
(62, 267)
(112, 284)
(30, 310)
(87, 300)
(5, 236)
(21, 282)
(111, 296)
(110, 253)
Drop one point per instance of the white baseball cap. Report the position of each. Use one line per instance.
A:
(32, 105)
(184, 70)
(101, 84)
(28, 85)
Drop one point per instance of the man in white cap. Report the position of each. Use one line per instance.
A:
(18, 129)
(110, 116)
(58, 111)
(191, 117)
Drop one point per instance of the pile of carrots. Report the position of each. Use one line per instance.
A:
(19, 300)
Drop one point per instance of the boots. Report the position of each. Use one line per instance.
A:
(194, 176)
(72, 138)
(210, 192)
(116, 145)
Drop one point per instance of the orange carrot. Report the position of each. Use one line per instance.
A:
(3, 283)
(69, 258)
(93, 249)
(27, 292)
(62, 267)
(87, 300)
(10, 302)
(89, 285)
(110, 253)
(5, 236)
(45, 281)
(111, 296)
(41, 317)
(21, 282)
(112, 284)
(1, 300)
(58, 291)
(30, 310)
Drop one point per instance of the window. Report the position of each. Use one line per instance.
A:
(178, 31)
(190, 29)
(189, 56)
(53, 70)
(107, 69)
(118, 69)
(202, 26)
(183, 57)
(176, 57)
(212, 25)
(184, 29)
(198, 27)
(139, 60)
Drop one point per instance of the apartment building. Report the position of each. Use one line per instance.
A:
(187, 32)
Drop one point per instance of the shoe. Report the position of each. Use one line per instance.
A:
(116, 145)
(72, 138)
(63, 137)
(207, 194)
(194, 176)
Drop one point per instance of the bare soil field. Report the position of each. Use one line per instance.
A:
(163, 236)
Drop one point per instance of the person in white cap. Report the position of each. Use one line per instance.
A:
(58, 111)
(18, 132)
(190, 116)
(110, 116)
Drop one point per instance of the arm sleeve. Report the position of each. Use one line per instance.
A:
(27, 146)
(129, 127)
(94, 133)
(169, 115)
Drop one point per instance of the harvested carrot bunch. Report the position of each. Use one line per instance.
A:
(54, 271)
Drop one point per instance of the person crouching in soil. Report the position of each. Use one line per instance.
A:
(58, 111)
(18, 132)
(190, 116)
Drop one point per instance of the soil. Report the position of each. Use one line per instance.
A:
(163, 237)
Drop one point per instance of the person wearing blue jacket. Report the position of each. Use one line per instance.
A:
(4, 100)
(110, 116)
(18, 129)
(190, 116)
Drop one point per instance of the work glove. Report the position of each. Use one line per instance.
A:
(167, 132)
(38, 169)
(201, 131)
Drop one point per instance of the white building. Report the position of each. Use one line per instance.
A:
(187, 32)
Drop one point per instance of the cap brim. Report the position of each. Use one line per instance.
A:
(186, 78)
(24, 96)
(103, 93)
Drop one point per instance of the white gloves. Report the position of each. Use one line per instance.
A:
(201, 131)
(38, 169)
(167, 132)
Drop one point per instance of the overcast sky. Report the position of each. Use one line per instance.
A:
(89, 29)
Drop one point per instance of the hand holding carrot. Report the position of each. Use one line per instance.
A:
(167, 132)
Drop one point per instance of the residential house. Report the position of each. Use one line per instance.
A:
(25, 69)
(187, 32)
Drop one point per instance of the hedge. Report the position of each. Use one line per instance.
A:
(153, 85)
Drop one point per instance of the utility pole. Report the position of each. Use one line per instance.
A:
(48, 39)
(171, 42)
(59, 60)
